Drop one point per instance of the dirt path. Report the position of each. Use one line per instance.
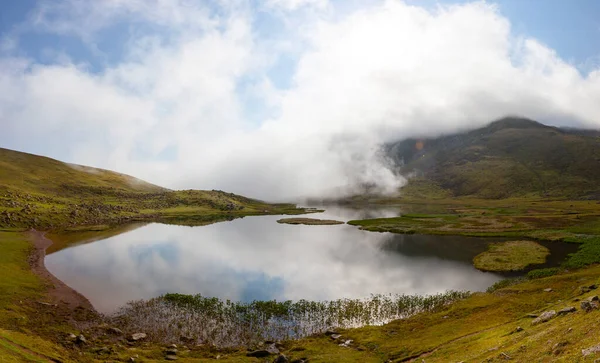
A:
(58, 291)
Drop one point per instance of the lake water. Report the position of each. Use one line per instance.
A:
(257, 258)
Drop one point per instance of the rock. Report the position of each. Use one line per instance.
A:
(273, 349)
(171, 357)
(567, 310)
(281, 359)
(259, 354)
(331, 332)
(80, 339)
(591, 350)
(72, 336)
(137, 336)
(335, 336)
(593, 298)
(518, 329)
(115, 331)
(532, 315)
(546, 315)
(347, 343)
(548, 290)
(174, 346)
(171, 351)
(588, 306)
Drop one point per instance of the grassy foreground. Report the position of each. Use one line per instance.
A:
(482, 327)
(511, 256)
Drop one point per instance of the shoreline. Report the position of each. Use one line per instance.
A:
(60, 293)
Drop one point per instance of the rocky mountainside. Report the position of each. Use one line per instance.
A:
(511, 157)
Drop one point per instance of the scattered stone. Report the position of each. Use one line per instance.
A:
(567, 310)
(80, 339)
(558, 348)
(587, 305)
(518, 329)
(137, 336)
(301, 360)
(115, 331)
(171, 351)
(593, 298)
(259, 354)
(347, 343)
(272, 349)
(72, 336)
(171, 357)
(281, 359)
(532, 316)
(548, 290)
(591, 350)
(174, 346)
(505, 356)
(335, 336)
(547, 315)
(131, 359)
(331, 332)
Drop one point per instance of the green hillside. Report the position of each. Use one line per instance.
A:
(38, 174)
(44, 193)
(512, 157)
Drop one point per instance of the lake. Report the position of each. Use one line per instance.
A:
(258, 258)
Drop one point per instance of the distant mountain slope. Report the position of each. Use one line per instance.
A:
(38, 174)
(510, 157)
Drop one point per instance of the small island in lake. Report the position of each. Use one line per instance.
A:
(511, 256)
(309, 221)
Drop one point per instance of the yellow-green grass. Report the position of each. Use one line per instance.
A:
(20, 291)
(309, 221)
(511, 256)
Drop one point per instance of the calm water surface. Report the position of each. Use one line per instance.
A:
(257, 258)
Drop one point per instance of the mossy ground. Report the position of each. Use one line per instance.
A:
(511, 256)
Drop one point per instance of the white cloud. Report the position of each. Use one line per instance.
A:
(379, 73)
(291, 5)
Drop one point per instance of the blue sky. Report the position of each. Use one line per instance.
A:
(571, 28)
(213, 93)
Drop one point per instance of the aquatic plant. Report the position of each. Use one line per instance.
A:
(199, 319)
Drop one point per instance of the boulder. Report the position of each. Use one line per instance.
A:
(281, 359)
(335, 336)
(591, 350)
(80, 339)
(259, 353)
(567, 310)
(171, 357)
(587, 305)
(272, 349)
(137, 336)
(115, 331)
(544, 317)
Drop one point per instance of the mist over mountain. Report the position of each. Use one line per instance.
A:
(509, 157)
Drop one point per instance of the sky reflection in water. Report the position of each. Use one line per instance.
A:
(257, 258)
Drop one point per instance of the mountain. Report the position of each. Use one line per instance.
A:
(39, 174)
(511, 157)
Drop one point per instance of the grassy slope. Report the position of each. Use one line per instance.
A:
(44, 193)
(509, 158)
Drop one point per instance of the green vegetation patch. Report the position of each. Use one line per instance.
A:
(511, 256)
(309, 221)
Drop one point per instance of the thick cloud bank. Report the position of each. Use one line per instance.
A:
(285, 99)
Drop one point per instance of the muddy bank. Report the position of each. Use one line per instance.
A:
(58, 292)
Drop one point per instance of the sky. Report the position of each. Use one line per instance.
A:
(283, 99)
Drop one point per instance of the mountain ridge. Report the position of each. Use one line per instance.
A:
(507, 158)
